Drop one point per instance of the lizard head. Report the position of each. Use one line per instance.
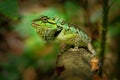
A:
(46, 28)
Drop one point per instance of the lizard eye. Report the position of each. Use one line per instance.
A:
(44, 19)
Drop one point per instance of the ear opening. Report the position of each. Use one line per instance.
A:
(57, 33)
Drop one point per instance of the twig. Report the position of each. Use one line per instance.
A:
(104, 31)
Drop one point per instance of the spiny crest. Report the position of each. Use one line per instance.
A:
(71, 28)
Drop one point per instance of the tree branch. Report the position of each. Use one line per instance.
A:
(74, 64)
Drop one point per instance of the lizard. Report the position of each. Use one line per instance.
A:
(55, 29)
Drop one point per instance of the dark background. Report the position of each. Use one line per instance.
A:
(24, 56)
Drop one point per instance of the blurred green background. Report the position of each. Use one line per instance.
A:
(23, 54)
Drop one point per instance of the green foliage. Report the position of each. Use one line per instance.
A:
(114, 30)
(96, 45)
(118, 1)
(53, 12)
(71, 8)
(10, 68)
(9, 8)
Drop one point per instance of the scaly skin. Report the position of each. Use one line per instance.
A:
(54, 29)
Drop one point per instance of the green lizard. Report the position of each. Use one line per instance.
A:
(55, 29)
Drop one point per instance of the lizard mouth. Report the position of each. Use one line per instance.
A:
(34, 25)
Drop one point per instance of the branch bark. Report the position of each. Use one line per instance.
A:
(74, 64)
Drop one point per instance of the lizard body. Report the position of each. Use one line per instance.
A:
(54, 29)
